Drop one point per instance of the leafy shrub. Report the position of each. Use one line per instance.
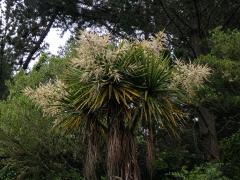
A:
(225, 44)
(29, 147)
(204, 172)
(230, 149)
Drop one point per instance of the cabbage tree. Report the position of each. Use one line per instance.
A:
(115, 90)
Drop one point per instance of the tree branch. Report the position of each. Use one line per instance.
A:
(211, 13)
(231, 17)
(179, 29)
(198, 16)
(39, 42)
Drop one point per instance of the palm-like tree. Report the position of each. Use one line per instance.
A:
(121, 90)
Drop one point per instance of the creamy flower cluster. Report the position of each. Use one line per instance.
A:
(189, 77)
(48, 96)
(156, 45)
(94, 55)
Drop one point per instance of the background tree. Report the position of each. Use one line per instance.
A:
(188, 22)
(222, 92)
(24, 26)
(22, 34)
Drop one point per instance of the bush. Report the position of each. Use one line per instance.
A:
(29, 147)
(225, 44)
(204, 172)
(230, 149)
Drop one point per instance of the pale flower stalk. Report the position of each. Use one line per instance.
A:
(189, 77)
(156, 45)
(96, 54)
(48, 96)
(91, 48)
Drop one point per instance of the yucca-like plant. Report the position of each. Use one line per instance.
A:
(125, 87)
(116, 90)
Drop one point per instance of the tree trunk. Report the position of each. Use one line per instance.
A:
(196, 44)
(92, 152)
(207, 128)
(150, 153)
(208, 134)
(121, 158)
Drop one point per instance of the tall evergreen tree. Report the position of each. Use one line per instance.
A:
(23, 28)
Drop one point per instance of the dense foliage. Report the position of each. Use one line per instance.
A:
(30, 149)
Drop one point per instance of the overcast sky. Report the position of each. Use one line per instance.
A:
(55, 41)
